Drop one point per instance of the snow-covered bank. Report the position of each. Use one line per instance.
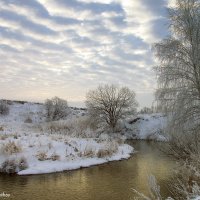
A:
(46, 154)
(29, 145)
(26, 149)
(146, 127)
(75, 163)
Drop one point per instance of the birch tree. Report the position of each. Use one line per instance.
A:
(179, 70)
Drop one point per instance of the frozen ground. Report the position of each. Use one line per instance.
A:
(26, 148)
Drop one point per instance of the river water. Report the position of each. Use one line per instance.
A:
(112, 181)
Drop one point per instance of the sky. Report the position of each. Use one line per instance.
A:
(65, 48)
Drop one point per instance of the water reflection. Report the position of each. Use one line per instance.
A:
(109, 181)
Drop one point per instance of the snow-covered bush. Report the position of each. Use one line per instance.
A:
(78, 127)
(11, 166)
(108, 149)
(185, 148)
(55, 157)
(154, 190)
(186, 182)
(83, 127)
(4, 108)
(89, 151)
(11, 147)
(41, 156)
(56, 109)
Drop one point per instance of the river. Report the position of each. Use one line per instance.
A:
(111, 181)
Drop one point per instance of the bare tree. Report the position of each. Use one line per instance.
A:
(56, 109)
(179, 69)
(109, 104)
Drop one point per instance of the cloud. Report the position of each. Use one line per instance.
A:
(65, 48)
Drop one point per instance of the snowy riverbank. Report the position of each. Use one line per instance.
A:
(29, 145)
(26, 149)
(46, 154)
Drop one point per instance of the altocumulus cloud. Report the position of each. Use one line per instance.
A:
(66, 47)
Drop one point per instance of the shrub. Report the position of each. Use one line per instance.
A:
(28, 120)
(107, 150)
(103, 153)
(61, 127)
(11, 166)
(11, 148)
(56, 109)
(78, 127)
(4, 108)
(185, 148)
(89, 151)
(41, 156)
(55, 157)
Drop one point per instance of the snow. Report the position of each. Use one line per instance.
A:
(197, 198)
(146, 127)
(72, 153)
(68, 152)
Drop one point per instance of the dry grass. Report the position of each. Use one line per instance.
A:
(55, 157)
(42, 155)
(108, 149)
(89, 152)
(78, 127)
(102, 153)
(11, 148)
(3, 137)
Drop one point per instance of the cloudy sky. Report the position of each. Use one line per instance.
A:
(66, 47)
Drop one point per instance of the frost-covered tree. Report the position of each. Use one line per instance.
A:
(146, 110)
(179, 94)
(179, 69)
(109, 103)
(56, 109)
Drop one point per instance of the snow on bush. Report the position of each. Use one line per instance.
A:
(108, 149)
(41, 156)
(10, 148)
(55, 157)
(89, 151)
(14, 165)
(76, 127)
(56, 109)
